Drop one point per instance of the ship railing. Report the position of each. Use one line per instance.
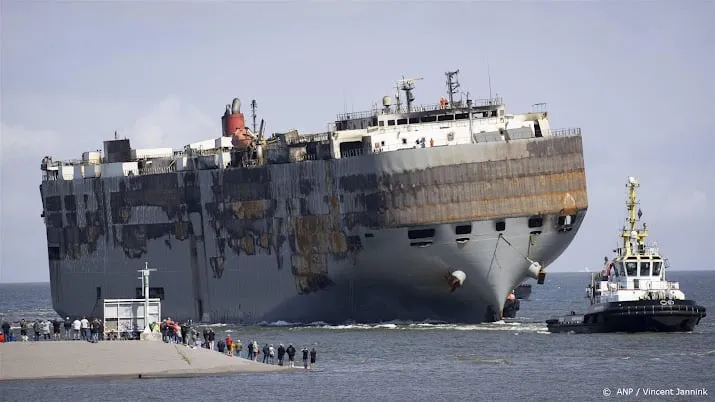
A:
(158, 170)
(305, 157)
(67, 162)
(197, 152)
(305, 138)
(351, 153)
(476, 103)
(564, 132)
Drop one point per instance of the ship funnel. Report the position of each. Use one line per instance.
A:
(236, 106)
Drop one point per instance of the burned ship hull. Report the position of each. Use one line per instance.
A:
(367, 238)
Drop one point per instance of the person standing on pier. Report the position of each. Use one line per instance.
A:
(305, 357)
(212, 339)
(229, 345)
(6, 329)
(23, 330)
(36, 329)
(68, 328)
(265, 353)
(250, 351)
(281, 354)
(237, 346)
(291, 355)
(313, 354)
(76, 328)
(85, 328)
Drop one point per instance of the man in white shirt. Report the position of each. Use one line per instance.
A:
(85, 328)
(76, 325)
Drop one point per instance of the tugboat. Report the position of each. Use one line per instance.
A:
(632, 294)
(523, 291)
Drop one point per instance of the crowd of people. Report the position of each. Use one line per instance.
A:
(57, 329)
(185, 333)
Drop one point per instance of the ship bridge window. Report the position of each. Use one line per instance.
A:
(461, 116)
(656, 267)
(645, 268)
(446, 117)
(631, 268)
(429, 119)
(390, 122)
(414, 120)
(401, 121)
(381, 123)
(619, 269)
(420, 233)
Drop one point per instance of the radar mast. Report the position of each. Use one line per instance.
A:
(254, 106)
(407, 85)
(452, 85)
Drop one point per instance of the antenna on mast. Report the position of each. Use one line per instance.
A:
(407, 85)
(489, 77)
(254, 106)
(452, 85)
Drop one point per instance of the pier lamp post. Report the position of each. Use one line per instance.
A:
(145, 283)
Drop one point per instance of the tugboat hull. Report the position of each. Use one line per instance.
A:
(636, 316)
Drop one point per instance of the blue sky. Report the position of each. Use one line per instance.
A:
(636, 77)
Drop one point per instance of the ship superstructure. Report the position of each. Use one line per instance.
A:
(401, 212)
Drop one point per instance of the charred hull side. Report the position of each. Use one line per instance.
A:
(389, 280)
(235, 244)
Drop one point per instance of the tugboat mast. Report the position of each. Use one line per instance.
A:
(633, 233)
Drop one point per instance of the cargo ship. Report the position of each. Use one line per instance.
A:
(403, 212)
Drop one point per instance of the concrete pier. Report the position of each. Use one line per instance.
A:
(117, 359)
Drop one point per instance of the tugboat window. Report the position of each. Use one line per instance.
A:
(656, 267)
(632, 268)
(619, 269)
(645, 268)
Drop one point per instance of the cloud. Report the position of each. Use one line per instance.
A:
(170, 122)
(16, 141)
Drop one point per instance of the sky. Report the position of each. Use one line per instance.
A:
(636, 77)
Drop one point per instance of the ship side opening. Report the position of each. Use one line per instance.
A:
(351, 148)
(463, 229)
(423, 237)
